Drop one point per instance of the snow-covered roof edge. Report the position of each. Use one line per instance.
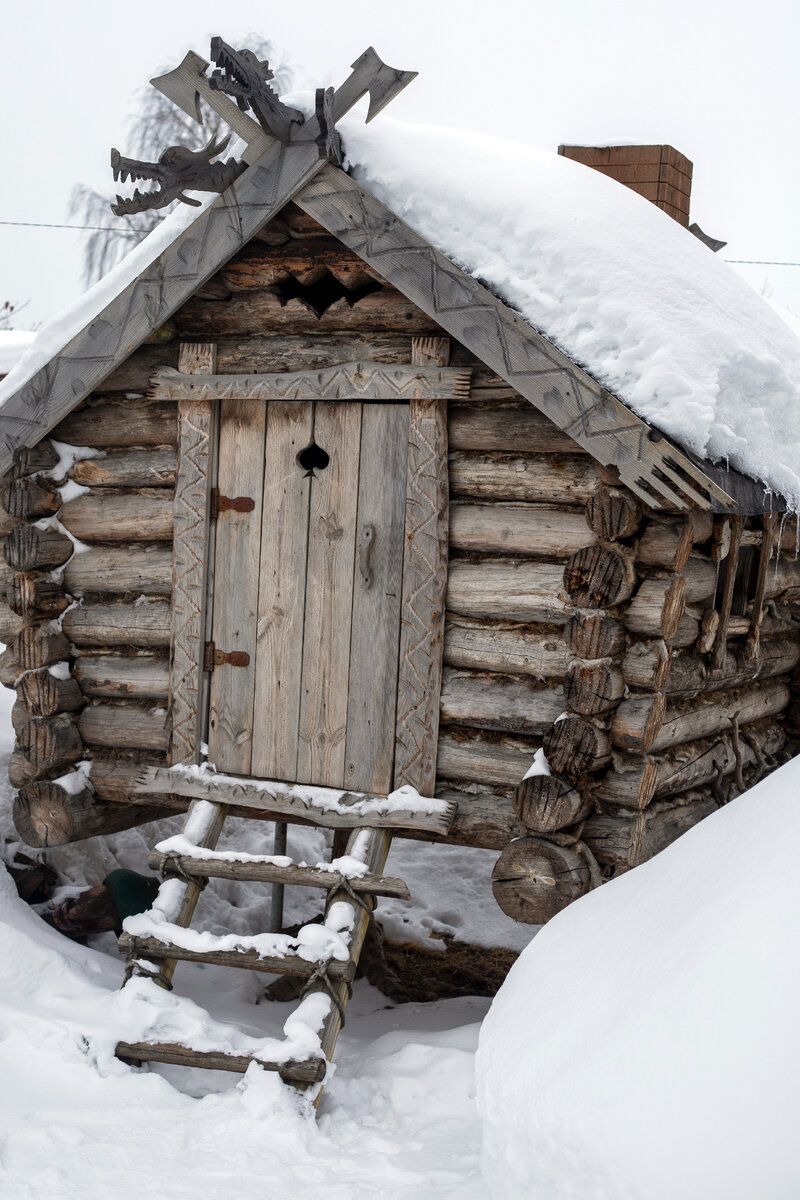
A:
(121, 311)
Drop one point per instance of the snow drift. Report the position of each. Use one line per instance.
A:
(646, 1043)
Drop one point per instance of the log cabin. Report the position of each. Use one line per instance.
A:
(305, 510)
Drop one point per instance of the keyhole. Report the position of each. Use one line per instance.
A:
(313, 458)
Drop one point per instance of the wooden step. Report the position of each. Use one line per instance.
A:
(250, 960)
(329, 808)
(266, 872)
(310, 1071)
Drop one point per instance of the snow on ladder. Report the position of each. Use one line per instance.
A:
(325, 955)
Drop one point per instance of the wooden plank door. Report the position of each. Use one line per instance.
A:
(309, 586)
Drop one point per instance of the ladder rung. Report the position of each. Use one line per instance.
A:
(312, 1070)
(145, 947)
(255, 872)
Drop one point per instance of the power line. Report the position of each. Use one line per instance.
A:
(761, 262)
(99, 228)
(752, 262)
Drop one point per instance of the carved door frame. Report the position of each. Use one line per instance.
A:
(426, 389)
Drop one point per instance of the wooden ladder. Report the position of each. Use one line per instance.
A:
(185, 875)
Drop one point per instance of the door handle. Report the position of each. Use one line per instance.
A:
(364, 549)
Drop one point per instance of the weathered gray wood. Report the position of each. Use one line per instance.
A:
(657, 608)
(646, 665)
(145, 625)
(626, 839)
(765, 553)
(45, 814)
(377, 599)
(532, 478)
(145, 570)
(9, 666)
(534, 879)
(282, 591)
(530, 363)
(30, 499)
(329, 598)
(248, 959)
(261, 311)
(518, 651)
(264, 354)
(125, 726)
(44, 695)
(32, 596)
(290, 800)
(591, 688)
(613, 513)
(574, 747)
(346, 381)
(311, 1071)
(712, 714)
(262, 872)
(425, 586)
(736, 528)
(691, 674)
(30, 549)
(546, 803)
(189, 565)
(39, 646)
(508, 590)
(203, 825)
(517, 529)
(120, 422)
(510, 427)
(471, 757)
(48, 743)
(665, 544)
(119, 677)
(480, 819)
(128, 468)
(506, 703)
(636, 722)
(236, 569)
(634, 781)
(599, 577)
(107, 516)
(27, 460)
(700, 576)
(10, 623)
(375, 856)
(594, 635)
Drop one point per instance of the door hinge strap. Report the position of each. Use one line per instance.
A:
(215, 658)
(220, 504)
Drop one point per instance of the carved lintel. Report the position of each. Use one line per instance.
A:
(347, 381)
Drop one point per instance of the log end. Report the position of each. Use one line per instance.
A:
(534, 879)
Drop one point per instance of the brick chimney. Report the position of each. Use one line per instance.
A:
(659, 173)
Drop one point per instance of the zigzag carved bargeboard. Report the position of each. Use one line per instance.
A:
(189, 555)
(424, 594)
(654, 469)
(347, 381)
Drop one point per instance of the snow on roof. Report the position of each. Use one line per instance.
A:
(65, 325)
(618, 285)
(13, 344)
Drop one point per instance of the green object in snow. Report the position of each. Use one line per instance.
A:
(133, 893)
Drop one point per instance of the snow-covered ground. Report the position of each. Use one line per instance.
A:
(398, 1119)
(644, 1047)
(647, 1044)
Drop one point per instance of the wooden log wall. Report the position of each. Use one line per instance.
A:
(575, 620)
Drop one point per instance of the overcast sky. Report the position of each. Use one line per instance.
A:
(717, 81)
